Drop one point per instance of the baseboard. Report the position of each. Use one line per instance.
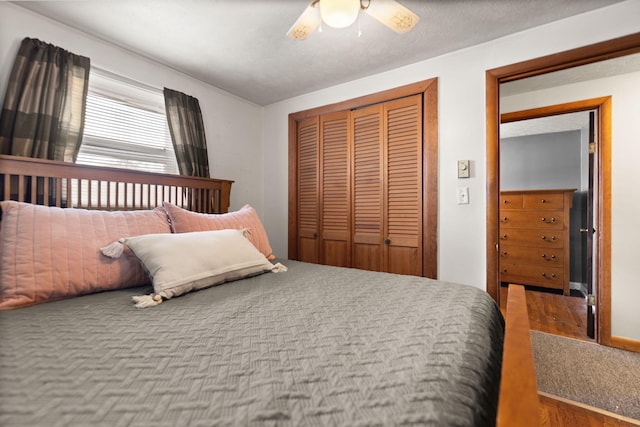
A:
(625, 344)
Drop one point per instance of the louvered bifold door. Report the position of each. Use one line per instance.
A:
(367, 207)
(308, 190)
(403, 196)
(335, 190)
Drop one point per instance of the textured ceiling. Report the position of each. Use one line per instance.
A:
(611, 67)
(240, 45)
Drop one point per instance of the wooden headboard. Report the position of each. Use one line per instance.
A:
(62, 184)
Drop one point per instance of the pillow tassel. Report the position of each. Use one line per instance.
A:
(144, 301)
(114, 250)
(279, 268)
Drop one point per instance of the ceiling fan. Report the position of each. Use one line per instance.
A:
(343, 13)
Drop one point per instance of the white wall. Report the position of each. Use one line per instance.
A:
(232, 125)
(462, 228)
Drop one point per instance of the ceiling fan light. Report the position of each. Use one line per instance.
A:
(339, 13)
(306, 24)
(393, 15)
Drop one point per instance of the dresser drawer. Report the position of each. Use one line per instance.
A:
(548, 277)
(544, 201)
(511, 201)
(532, 237)
(531, 255)
(546, 220)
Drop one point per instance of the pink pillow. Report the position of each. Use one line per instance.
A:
(49, 253)
(184, 221)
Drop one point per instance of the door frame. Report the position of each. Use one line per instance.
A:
(621, 46)
(602, 242)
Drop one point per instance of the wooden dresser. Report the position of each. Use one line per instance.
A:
(534, 237)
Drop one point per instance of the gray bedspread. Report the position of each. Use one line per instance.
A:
(313, 346)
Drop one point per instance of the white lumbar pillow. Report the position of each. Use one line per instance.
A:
(183, 262)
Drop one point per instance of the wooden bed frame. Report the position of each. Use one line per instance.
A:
(69, 185)
(61, 184)
(518, 404)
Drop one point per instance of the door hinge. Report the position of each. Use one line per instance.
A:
(592, 148)
(591, 300)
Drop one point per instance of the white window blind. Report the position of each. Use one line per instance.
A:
(126, 126)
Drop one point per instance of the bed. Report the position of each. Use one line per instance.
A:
(314, 345)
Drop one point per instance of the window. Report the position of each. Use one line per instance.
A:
(126, 126)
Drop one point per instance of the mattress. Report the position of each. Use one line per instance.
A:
(315, 345)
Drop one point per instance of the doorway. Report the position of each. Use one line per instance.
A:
(549, 152)
(619, 48)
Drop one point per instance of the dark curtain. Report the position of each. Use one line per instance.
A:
(187, 133)
(43, 111)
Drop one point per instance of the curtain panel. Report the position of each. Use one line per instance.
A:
(187, 133)
(43, 111)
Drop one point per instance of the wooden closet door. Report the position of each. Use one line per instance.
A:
(367, 207)
(308, 190)
(403, 186)
(390, 178)
(335, 191)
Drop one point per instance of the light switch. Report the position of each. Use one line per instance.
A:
(462, 194)
(463, 168)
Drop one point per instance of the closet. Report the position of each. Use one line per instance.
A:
(358, 187)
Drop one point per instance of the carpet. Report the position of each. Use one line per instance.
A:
(588, 373)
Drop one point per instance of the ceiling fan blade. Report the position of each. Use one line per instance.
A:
(306, 23)
(393, 15)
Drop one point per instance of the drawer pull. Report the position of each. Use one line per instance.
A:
(543, 237)
(548, 259)
(504, 237)
(504, 253)
(505, 201)
(505, 219)
(504, 270)
(543, 201)
(553, 275)
(551, 221)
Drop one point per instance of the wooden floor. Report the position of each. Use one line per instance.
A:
(558, 412)
(554, 313)
(566, 316)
